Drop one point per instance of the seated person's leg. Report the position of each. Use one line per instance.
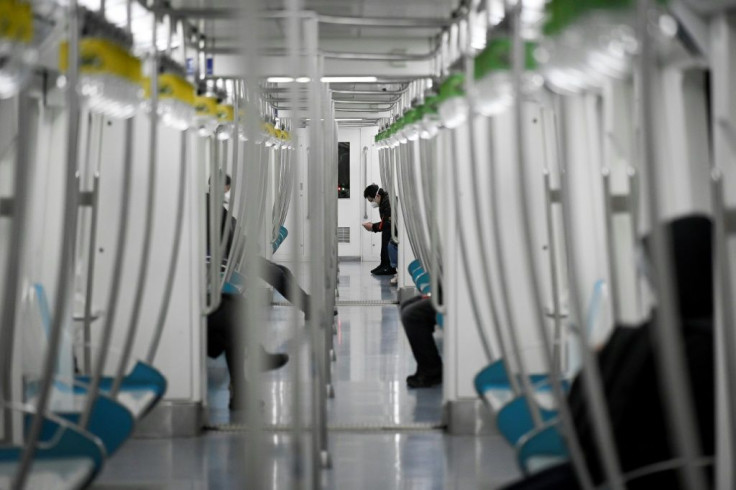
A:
(221, 336)
(419, 319)
(281, 278)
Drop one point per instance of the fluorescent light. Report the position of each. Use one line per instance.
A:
(343, 119)
(279, 79)
(349, 79)
(324, 79)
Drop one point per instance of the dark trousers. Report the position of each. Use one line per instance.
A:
(419, 318)
(221, 331)
(385, 238)
(281, 279)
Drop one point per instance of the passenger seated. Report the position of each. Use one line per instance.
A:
(276, 275)
(419, 318)
(631, 381)
(221, 337)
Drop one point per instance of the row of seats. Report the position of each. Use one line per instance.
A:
(71, 456)
(537, 447)
(423, 282)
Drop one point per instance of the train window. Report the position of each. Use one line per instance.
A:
(343, 170)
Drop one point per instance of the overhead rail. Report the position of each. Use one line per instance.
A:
(378, 22)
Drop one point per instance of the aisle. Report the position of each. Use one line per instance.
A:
(374, 441)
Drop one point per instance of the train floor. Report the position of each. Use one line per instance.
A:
(382, 435)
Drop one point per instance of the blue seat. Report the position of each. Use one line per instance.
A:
(65, 448)
(494, 377)
(514, 420)
(420, 281)
(142, 379)
(440, 320)
(109, 420)
(283, 233)
(414, 266)
(143, 382)
(541, 448)
(419, 272)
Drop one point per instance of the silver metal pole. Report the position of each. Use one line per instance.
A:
(91, 255)
(62, 305)
(567, 425)
(234, 187)
(590, 374)
(667, 333)
(175, 248)
(148, 226)
(13, 264)
(520, 384)
(294, 39)
(320, 456)
(116, 278)
(365, 180)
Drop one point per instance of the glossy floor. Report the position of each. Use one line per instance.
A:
(379, 437)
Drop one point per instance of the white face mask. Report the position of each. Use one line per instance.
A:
(373, 204)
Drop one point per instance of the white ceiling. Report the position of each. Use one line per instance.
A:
(225, 32)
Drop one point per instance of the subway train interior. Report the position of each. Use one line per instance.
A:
(367, 244)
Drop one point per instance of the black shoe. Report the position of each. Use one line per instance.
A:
(385, 271)
(421, 380)
(380, 267)
(269, 361)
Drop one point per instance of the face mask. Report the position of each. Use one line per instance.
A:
(373, 204)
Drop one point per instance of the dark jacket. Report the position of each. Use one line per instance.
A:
(384, 209)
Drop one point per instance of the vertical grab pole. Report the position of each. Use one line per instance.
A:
(294, 38)
(62, 305)
(148, 230)
(176, 246)
(117, 270)
(233, 182)
(365, 180)
(666, 335)
(723, 117)
(235, 186)
(518, 65)
(320, 456)
(523, 386)
(15, 252)
(116, 278)
(590, 374)
(435, 243)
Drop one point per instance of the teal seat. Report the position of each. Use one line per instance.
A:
(514, 420)
(494, 377)
(440, 320)
(419, 272)
(109, 420)
(541, 449)
(65, 448)
(143, 379)
(414, 266)
(282, 234)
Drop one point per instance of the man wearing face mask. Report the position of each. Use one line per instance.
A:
(378, 198)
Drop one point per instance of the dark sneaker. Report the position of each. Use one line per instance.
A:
(386, 271)
(421, 380)
(380, 267)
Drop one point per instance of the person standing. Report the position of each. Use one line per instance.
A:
(378, 198)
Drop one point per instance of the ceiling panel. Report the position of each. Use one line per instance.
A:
(226, 31)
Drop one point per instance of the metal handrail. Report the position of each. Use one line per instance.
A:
(62, 305)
